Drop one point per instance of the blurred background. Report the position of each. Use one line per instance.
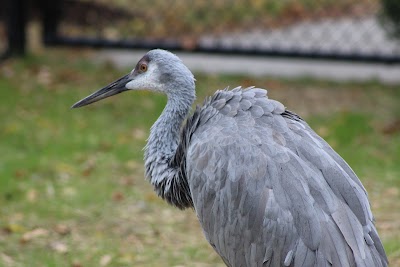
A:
(72, 188)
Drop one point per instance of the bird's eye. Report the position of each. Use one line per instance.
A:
(143, 67)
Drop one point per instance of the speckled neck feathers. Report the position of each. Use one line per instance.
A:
(167, 179)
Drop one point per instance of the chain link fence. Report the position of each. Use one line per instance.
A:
(336, 29)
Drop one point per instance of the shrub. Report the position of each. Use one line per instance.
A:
(390, 17)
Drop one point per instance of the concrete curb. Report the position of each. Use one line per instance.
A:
(264, 66)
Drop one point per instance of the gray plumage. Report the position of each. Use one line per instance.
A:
(268, 191)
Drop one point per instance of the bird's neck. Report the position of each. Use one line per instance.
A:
(160, 149)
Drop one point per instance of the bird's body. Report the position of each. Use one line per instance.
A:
(268, 191)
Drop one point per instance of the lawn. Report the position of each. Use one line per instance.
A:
(72, 189)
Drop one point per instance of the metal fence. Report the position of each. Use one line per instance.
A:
(340, 29)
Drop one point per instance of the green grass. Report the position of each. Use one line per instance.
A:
(72, 191)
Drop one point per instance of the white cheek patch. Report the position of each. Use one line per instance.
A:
(136, 84)
(145, 81)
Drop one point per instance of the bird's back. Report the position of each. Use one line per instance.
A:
(268, 191)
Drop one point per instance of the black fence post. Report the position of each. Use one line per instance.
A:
(16, 12)
(51, 14)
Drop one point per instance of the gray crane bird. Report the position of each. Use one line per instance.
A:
(267, 190)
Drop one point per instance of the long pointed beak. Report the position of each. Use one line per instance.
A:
(112, 89)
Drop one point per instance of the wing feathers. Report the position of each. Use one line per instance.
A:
(304, 256)
(269, 191)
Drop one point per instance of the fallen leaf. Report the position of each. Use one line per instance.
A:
(62, 229)
(76, 264)
(20, 173)
(392, 128)
(118, 196)
(35, 233)
(13, 228)
(7, 260)
(88, 167)
(32, 195)
(59, 247)
(105, 260)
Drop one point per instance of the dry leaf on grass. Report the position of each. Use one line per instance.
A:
(62, 229)
(7, 260)
(105, 260)
(59, 247)
(35, 233)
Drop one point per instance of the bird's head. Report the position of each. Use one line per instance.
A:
(158, 70)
